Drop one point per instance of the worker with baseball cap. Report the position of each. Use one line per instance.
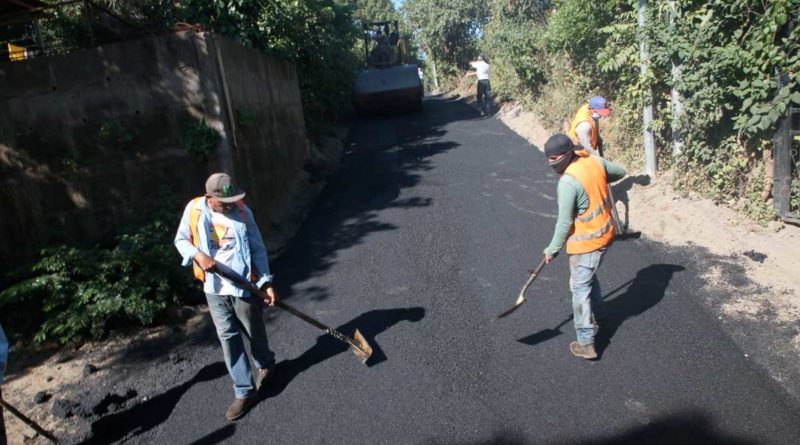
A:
(218, 230)
(585, 127)
(586, 226)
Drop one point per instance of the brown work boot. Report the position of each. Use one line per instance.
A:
(264, 376)
(239, 408)
(583, 351)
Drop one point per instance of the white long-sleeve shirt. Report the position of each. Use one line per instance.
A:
(481, 69)
(584, 133)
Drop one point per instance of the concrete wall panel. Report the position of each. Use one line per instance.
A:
(94, 140)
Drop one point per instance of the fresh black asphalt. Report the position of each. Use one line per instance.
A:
(426, 233)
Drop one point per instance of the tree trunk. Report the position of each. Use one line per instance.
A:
(677, 97)
(647, 109)
(435, 76)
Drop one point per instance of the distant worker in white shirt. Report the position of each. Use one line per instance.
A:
(484, 96)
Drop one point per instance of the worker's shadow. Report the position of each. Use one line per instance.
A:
(621, 190)
(646, 290)
(147, 415)
(370, 324)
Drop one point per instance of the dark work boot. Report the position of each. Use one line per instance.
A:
(239, 408)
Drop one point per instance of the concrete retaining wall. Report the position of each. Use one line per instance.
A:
(94, 140)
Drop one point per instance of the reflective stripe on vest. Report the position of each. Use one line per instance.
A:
(583, 115)
(194, 217)
(589, 215)
(594, 228)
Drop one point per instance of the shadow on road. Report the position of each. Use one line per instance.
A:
(382, 157)
(544, 334)
(688, 428)
(646, 290)
(147, 415)
(218, 436)
(370, 324)
(621, 189)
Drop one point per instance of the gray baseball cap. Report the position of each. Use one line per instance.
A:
(221, 186)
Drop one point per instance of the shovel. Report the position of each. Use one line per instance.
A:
(357, 343)
(521, 298)
(621, 233)
(28, 421)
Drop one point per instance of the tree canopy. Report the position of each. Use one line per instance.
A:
(374, 10)
(447, 30)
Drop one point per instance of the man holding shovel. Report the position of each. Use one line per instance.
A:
(218, 230)
(585, 126)
(586, 225)
(585, 131)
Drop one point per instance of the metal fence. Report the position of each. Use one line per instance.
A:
(62, 28)
(786, 189)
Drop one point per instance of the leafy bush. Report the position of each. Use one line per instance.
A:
(516, 58)
(76, 291)
(201, 140)
(562, 93)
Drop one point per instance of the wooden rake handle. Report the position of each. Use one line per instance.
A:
(249, 286)
(29, 422)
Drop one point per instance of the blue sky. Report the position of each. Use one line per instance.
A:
(397, 3)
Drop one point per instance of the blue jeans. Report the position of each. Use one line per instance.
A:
(234, 316)
(587, 301)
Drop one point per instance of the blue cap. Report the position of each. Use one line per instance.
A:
(599, 104)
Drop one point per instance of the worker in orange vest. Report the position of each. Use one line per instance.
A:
(218, 230)
(586, 226)
(585, 127)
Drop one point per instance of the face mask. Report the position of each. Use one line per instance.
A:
(561, 165)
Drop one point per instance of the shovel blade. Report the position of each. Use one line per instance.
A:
(360, 347)
(627, 235)
(512, 309)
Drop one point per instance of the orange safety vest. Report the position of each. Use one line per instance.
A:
(583, 115)
(194, 218)
(594, 228)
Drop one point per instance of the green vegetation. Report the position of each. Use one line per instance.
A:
(447, 31)
(72, 292)
(113, 132)
(553, 55)
(201, 140)
(374, 10)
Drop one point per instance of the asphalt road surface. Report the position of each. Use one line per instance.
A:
(424, 235)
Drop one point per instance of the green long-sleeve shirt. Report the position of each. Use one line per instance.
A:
(572, 201)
